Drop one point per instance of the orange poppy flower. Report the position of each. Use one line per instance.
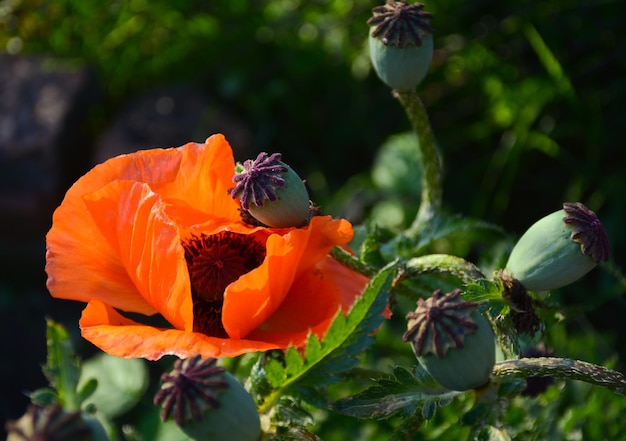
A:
(157, 232)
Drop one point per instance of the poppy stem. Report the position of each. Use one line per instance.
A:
(442, 263)
(431, 160)
(563, 369)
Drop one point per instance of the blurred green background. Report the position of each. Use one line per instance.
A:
(526, 99)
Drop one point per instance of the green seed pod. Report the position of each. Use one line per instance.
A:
(236, 418)
(52, 422)
(401, 68)
(401, 43)
(559, 249)
(271, 192)
(207, 402)
(452, 341)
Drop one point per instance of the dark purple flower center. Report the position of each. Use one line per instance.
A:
(214, 262)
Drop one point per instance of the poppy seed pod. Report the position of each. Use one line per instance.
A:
(401, 43)
(559, 249)
(207, 402)
(271, 192)
(452, 340)
(52, 422)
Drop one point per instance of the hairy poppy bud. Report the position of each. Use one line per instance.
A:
(400, 43)
(271, 192)
(207, 402)
(452, 340)
(559, 249)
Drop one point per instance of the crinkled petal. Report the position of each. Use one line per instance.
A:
(117, 335)
(311, 304)
(132, 219)
(80, 262)
(255, 296)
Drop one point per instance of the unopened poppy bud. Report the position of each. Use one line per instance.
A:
(401, 43)
(452, 340)
(271, 192)
(559, 249)
(207, 402)
(54, 423)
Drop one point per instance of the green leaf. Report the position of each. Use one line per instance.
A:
(347, 336)
(86, 389)
(445, 227)
(401, 394)
(62, 368)
(121, 383)
(289, 413)
(483, 290)
(44, 397)
(371, 247)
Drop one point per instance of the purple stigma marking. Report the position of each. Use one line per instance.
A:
(193, 385)
(258, 180)
(400, 24)
(587, 231)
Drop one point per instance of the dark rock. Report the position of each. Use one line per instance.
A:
(44, 103)
(169, 117)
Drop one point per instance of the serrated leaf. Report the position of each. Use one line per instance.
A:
(289, 413)
(483, 290)
(62, 368)
(275, 372)
(293, 361)
(402, 394)
(347, 336)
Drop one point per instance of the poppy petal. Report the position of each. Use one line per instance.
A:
(131, 218)
(77, 257)
(255, 296)
(313, 301)
(117, 335)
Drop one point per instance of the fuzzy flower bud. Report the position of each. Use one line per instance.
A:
(207, 402)
(559, 249)
(452, 340)
(401, 43)
(271, 192)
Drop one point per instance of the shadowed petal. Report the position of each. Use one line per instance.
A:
(131, 218)
(122, 337)
(253, 298)
(312, 302)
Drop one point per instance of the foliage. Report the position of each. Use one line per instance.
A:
(525, 102)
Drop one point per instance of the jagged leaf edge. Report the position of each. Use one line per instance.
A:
(347, 336)
(401, 393)
(62, 368)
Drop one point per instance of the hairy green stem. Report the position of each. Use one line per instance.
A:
(431, 161)
(563, 369)
(352, 262)
(443, 263)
